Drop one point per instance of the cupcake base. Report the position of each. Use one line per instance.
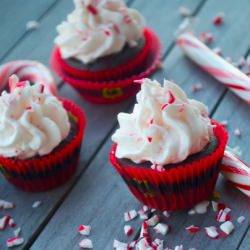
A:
(176, 188)
(114, 90)
(47, 172)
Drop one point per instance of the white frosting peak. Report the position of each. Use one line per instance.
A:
(32, 121)
(164, 127)
(97, 28)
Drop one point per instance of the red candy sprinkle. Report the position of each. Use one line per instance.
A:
(218, 20)
(150, 139)
(192, 229)
(107, 33)
(92, 9)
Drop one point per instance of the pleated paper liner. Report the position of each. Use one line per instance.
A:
(134, 65)
(113, 91)
(176, 188)
(52, 170)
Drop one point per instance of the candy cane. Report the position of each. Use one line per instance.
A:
(27, 70)
(215, 65)
(236, 171)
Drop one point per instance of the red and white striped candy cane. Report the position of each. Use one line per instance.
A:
(215, 65)
(236, 171)
(27, 70)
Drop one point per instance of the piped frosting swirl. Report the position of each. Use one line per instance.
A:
(165, 126)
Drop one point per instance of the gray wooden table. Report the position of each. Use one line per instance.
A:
(96, 195)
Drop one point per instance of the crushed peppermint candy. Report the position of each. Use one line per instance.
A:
(144, 230)
(86, 243)
(206, 37)
(201, 208)
(197, 87)
(36, 204)
(12, 223)
(128, 230)
(130, 215)
(180, 247)
(17, 231)
(4, 222)
(142, 215)
(223, 215)
(143, 243)
(212, 232)
(237, 132)
(240, 219)
(157, 244)
(218, 20)
(15, 241)
(84, 230)
(161, 228)
(227, 227)
(119, 245)
(153, 220)
(6, 204)
(32, 25)
(215, 206)
(166, 214)
(192, 229)
(184, 11)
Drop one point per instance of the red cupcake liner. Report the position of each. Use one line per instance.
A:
(120, 72)
(176, 188)
(112, 91)
(52, 170)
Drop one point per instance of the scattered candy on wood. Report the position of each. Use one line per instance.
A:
(237, 132)
(36, 204)
(17, 231)
(218, 20)
(4, 222)
(142, 215)
(197, 87)
(223, 215)
(166, 214)
(236, 171)
(161, 228)
(201, 208)
(206, 37)
(144, 230)
(14, 242)
(6, 204)
(153, 220)
(130, 215)
(212, 232)
(192, 229)
(119, 245)
(143, 244)
(12, 223)
(32, 25)
(184, 11)
(86, 243)
(227, 227)
(128, 230)
(157, 244)
(240, 219)
(84, 230)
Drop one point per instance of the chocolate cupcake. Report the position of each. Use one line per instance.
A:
(40, 137)
(102, 47)
(167, 150)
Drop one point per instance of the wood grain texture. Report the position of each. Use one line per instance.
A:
(111, 203)
(13, 18)
(246, 242)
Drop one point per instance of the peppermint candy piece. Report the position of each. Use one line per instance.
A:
(153, 220)
(192, 229)
(4, 222)
(184, 11)
(128, 230)
(12, 223)
(130, 215)
(36, 204)
(240, 219)
(218, 20)
(180, 247)
(201, 208)
(143, 244)
(6, 204)
(166, 214)
(157, 244)
(144, 230)
(84, 230)
(227, 227)
(161, 228)
(86, 243)
(212, 232)
(120, 245)
(17, 231)
(223, 215)
(15, 241)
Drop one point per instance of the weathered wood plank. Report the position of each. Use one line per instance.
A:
(14, 16)
(246, 242)
(89, 194)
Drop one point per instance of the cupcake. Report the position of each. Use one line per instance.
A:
(40, 136)
(167, 150)
(102, 48)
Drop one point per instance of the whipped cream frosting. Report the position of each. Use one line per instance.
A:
(97, 28)
(32, 121)
(164, 127)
